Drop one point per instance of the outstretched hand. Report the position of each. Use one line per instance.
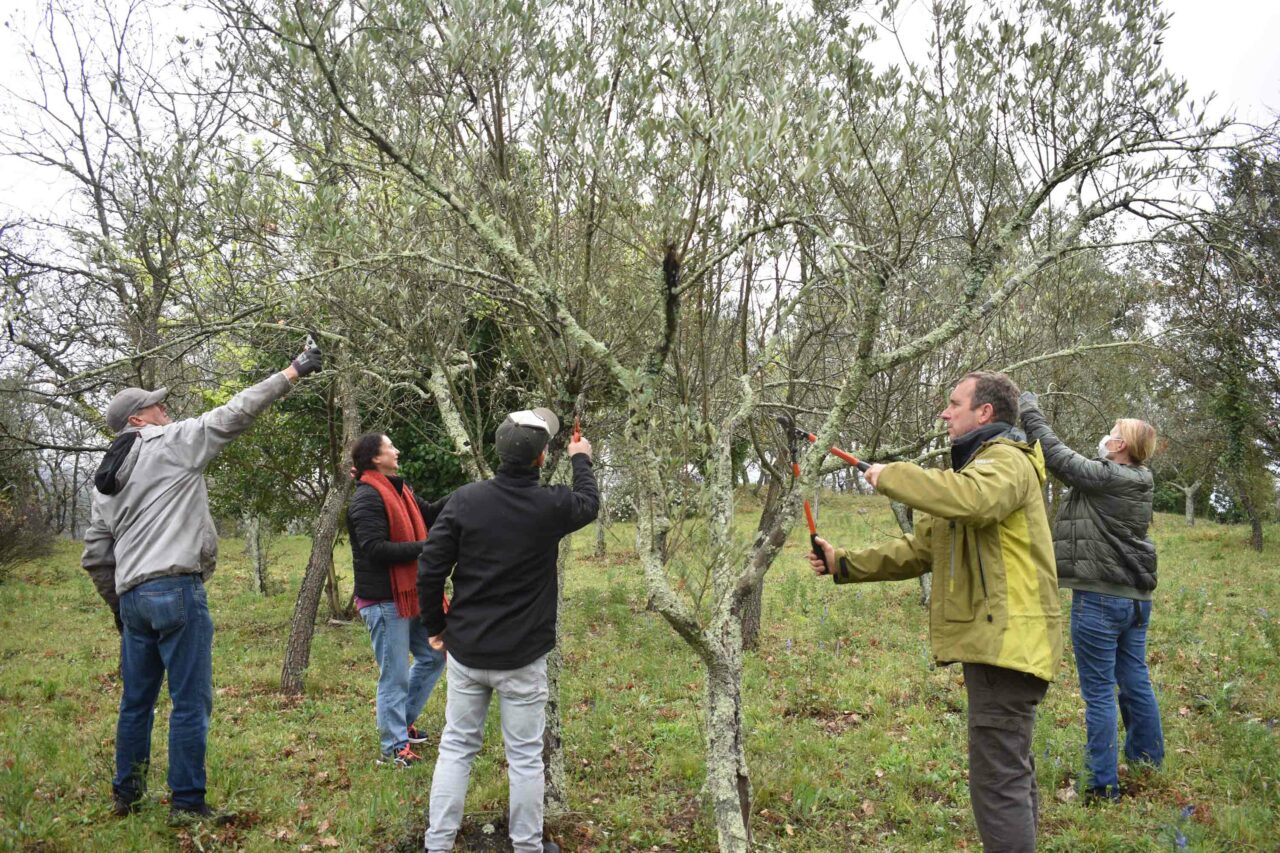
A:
(309, 360)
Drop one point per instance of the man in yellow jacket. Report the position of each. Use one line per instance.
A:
(994, 607)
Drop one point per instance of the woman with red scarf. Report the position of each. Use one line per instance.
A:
(388, 525)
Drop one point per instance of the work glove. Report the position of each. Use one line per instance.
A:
(1028, 400)
(309, 360)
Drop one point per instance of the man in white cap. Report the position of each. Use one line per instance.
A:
(150, 547)
(499, 539)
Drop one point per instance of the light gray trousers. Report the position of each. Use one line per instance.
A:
(522, 700)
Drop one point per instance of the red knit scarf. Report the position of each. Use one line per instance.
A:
(406, 525)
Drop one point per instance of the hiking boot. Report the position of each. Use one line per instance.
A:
(416, 736)
(120, 807)
(204, 813)
(402, 757)
(1104, 794)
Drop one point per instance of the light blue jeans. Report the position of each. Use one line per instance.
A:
(522, 698)
(1109, 637)
(402, 691)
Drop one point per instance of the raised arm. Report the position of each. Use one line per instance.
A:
(985, 491)
(1074, 469)
(582, 503)
(203, 438)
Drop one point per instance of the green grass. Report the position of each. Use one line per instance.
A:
(855, 742)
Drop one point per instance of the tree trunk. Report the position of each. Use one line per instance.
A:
(600, 522)
(297, 652)
(302, 626)
(555, 797)
(1190, 493)
(332, 594)
(254, 546)
(1250, 508)
(601, 547)
(753, 604)
(728, 782)
(907, 524)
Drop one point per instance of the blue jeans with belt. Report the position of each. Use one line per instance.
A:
(167, 629)
(1109, 637)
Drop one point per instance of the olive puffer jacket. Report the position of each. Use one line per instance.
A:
(1100, 535)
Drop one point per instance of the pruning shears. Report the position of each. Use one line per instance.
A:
(577, 428)
(834, 451)
(793, 445)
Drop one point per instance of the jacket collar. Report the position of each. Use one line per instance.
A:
(963, 448)
(518, 475)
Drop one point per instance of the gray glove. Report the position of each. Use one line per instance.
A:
(309, 360)
(1028, 400)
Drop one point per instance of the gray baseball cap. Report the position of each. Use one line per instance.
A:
(524, 434)
(131, 401)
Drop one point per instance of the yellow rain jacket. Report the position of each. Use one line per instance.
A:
(986, 539)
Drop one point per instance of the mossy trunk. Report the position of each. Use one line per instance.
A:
(728, 782)
(1190, 505)
(255, 547)
(555, 794)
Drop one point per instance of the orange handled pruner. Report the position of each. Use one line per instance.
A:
(793, 434)
(834, 451)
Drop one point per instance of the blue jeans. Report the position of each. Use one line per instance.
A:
(402, 691)
(166, 629)
(1109, 637)
(522, 697)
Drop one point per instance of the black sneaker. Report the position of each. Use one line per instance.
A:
(402, 757)
(188, 816)
(1104, 794)
(120, 807)
(550, 847)
(416, 736)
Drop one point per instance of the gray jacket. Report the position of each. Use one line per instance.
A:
(1100, 535)
(158, 523)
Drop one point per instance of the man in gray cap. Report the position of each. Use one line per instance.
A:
(150, 547)
(499, 539)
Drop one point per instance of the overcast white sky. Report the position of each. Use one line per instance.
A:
(1227, 47)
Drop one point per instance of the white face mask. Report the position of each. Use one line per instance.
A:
(1102, 446)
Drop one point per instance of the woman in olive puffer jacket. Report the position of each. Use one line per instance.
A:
(1106, 559)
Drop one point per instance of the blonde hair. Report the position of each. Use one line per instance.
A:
(1140, 436)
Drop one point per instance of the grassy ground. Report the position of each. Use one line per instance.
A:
(855, 741)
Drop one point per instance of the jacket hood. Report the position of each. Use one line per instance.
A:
(1016, 438)
(118, 462)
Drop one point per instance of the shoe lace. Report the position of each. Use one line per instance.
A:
(408, 754)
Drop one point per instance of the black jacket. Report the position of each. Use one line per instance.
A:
(500, 539)
(1100, 535)
(372, 552)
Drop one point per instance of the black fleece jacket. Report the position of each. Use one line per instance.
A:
(499, 539)
(372, 552)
